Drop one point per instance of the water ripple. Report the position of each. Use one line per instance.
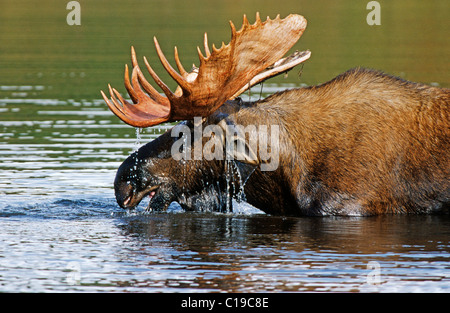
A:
(61, 229)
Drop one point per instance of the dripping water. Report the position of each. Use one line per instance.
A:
(240, 197)
(235, 184)
(137, 143)
(183, 162)
(229, 179)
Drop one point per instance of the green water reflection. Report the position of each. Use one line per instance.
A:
(51, 73)
(38, 47)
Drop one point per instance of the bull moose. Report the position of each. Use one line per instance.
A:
(364, 143)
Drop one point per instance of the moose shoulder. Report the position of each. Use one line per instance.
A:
(364, 143)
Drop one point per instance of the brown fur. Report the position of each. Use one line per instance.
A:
(363, 143)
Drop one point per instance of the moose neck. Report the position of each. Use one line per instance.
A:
(262, 122)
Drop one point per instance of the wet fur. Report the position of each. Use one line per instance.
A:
(363, 143)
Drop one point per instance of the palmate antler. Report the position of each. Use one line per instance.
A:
(223, 73)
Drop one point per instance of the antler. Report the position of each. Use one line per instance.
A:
(223, 73)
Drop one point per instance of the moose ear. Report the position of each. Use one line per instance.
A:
(237, 147)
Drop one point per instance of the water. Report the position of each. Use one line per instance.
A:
(87, 245)
(60, 228)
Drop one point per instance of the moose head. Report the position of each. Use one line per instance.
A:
(207, 95)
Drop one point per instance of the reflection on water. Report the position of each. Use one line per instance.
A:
(60, 228)
(79, 245)
(262, 253)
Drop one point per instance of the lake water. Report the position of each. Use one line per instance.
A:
(60, 227)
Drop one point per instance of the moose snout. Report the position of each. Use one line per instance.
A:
(124, 195)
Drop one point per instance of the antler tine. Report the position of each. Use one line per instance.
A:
(134, 57)
(178, 62)
(114, 99)
(126, 108)
(245, 22)
(135, 91)
(158, 80)
(118, 112)
(134, 88)
(141, 96)
(205, 44)
(174, 74)
(105, 98)
(114, 106)
(128, 85)
(258, 18)
(153, 93)
(132, 114)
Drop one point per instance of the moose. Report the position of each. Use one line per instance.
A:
(364, 143)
